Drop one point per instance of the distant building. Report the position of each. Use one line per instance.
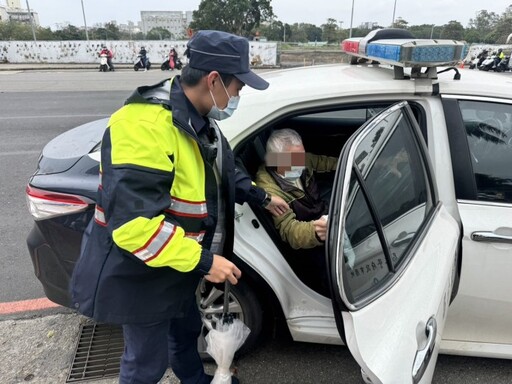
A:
(129, 27)
(175, 22)
(14, 12)
(368, 25)
(3, 14)
(14, 4)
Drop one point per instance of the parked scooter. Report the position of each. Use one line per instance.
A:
(488, 63)
(139, 64)
(166, 65)
(104, 67)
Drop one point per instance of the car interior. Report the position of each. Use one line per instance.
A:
(323, 133)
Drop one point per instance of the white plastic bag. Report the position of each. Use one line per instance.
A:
(222, 343)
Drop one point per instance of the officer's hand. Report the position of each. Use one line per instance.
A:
(277, 206)
(222, 269)
(320, 228)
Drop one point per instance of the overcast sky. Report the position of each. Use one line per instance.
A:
(437, 12)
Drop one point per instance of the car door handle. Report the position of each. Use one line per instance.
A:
(402, 239)
(424, 354)
(490, 237)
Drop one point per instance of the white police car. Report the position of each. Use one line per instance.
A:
(420, 225)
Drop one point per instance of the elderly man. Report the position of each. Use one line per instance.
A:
(289, 173)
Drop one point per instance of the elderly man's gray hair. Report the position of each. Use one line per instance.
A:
(282, 139)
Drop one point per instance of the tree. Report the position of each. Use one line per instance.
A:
(400, 23)
(70, 33)
(240, 17)
(159, 33)
(501, 31)
(330, 31)
(471, 35)
(272, 31)
(453, 30)
(298, 33)
(313, 32)
(484, 22)
(423, 31)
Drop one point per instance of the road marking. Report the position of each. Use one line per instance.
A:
(26, 306)
(49, 117)
(20, 153)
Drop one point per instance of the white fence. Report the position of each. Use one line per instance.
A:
(261, 53)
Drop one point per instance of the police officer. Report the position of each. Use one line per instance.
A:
(165, 211)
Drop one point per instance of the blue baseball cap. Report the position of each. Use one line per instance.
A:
(225, 53)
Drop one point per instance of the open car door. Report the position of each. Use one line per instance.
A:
(391, 251)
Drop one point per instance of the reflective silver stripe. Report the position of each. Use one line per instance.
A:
(157, 242)
(99, 216)
(196, 236)
(101, 178)
(188, 208)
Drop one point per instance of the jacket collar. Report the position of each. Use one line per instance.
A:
(170, 95)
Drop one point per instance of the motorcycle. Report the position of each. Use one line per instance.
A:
(139, 63)
(104, 67)
(488, 63)
(166, 65)
(504, 65)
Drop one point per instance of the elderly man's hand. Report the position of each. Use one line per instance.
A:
(277, 206)
(320, 228)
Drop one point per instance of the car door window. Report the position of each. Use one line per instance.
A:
(389, 199)
(489, 133)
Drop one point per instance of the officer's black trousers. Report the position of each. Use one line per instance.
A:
(151, 348)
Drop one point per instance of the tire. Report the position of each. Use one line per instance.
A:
(103, 68)
(244, 305)
(164, 66)
(135, 67)
(354, 60)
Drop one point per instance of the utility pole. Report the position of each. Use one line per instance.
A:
(351, 20)
(393, 21)
(85, 21)
(31, 22)
(432, 31)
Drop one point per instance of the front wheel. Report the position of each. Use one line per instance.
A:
(243, 303)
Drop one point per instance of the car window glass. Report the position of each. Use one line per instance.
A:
(489, 134)
(396, 188)
(366, 267)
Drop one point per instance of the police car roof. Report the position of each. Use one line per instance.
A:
(307, 87)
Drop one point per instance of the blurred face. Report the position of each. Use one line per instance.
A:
(293, 158)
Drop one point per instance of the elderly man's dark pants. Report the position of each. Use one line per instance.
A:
(151, 348)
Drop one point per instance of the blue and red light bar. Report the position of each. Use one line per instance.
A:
(408, 52)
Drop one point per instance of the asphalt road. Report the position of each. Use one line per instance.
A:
(37, 106)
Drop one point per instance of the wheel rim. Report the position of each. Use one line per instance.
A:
(211, 303)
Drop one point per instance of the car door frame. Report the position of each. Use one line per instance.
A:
(340, 300)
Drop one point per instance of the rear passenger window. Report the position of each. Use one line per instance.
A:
(489, 133)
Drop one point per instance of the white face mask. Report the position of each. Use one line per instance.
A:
(294, 173)
(221, 114)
